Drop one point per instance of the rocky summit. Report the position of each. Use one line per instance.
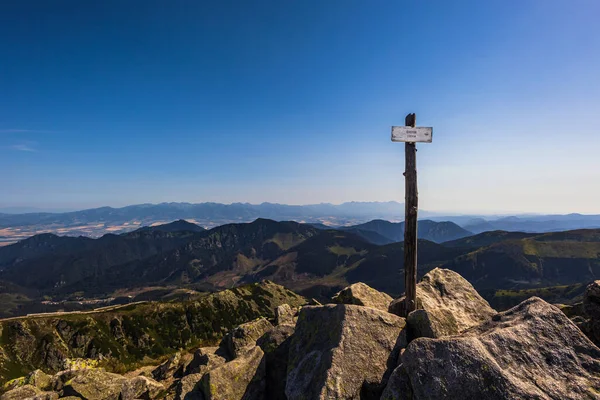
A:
(455, 346)
(531, 351)
(447, 304)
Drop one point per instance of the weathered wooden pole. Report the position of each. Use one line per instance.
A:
(410, 135)
(411, 206)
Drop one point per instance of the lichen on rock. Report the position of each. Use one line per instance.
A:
(532, 351)
(244, 336)
(240, 379)
(338, 351)
(363, 295)
(447, 305)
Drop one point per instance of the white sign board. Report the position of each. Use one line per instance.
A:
(410, 134)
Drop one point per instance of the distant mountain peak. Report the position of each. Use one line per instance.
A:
(180, 225)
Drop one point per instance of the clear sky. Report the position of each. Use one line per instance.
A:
(119, 102)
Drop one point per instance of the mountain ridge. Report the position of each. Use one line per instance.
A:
(315, 262)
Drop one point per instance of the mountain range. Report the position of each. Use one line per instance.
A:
(311, 260)
(531, 223)
(99, 221)
(384, 232)
(209, 212)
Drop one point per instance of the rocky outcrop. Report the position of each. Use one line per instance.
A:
(349, 351)
(589, 322)
(22, 392)
(532, 351)
(591, 300)
(339, 351)
(167, 369)
(363, 295)
(90, 383)
(133, 334)
(242, 378)
(243, 337)
(448, 304)
(40, 380)
(276, 346)
(398, 386)
(95, 384)
(189, 388)
(37, 379)
(284, 314)
(140, 387)
(205, 359)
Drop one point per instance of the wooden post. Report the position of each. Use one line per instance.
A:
(411, 204)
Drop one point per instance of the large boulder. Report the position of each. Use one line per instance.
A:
(140, 387)
(276, 346)
(21, 392)
(398, 386)
(205, 359)
(241, 378)
(95, 384)
(40, 380)
(591, 308)
(167, 369)
(447, 305)
(532, 351)
(342, 352)
(363, 295)
(189, 388)
(591, 300)
(284, 314)
(61, 378)
(244, 337)
(37, 378)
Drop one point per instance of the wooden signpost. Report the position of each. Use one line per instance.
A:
(410, 135)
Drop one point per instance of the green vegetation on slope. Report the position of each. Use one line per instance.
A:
(125, 337)
(504, 299)
(543, 260)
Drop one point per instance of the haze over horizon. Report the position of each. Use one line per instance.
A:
(424, 214)
(114, 103)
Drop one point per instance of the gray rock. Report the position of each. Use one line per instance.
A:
(167, 369)
(397, 307)
(60, 378)
(591, 308)
(95, 384)
(276, 346)
(46, 396)
(21, 392)
(37, 378)
(398, 386)
(363, 295)
(338, 351)
(241, 378)
(284, 314)
(532, 351)
(591, 300)
(140, 387)
(189, 388)
(448, 305)
(244, 337)
(40, 379)
(205, 359)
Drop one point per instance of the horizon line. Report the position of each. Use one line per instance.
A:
(64, 210)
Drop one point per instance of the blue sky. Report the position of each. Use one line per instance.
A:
(121, 102)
